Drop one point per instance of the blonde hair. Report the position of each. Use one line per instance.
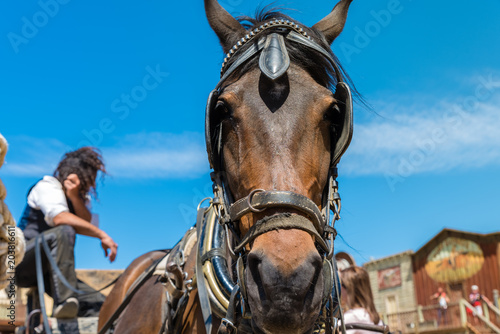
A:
(356, 283)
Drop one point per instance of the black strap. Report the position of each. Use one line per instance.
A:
(39, 243)
(59, 274)
(277, 223)
(41, 284)
(228, 324)
(177, 317)
(276, 199)
(247, 54)
(336, 279)
(55, 268)
(140, 281)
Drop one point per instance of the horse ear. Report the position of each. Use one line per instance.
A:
(227, 28)
(331, 26)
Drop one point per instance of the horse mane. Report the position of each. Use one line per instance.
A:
(312, 61)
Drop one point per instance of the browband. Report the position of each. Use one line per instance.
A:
(264, 41)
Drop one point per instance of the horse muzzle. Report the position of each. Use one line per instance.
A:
(284, 281)
(286, 277)
(283, 303)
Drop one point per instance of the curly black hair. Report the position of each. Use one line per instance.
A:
(84, 162)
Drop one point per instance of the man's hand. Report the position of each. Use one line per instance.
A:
(72, 186)
(83, 227)
(108, 244)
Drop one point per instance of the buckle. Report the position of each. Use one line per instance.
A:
(245, 310)
(227, 327)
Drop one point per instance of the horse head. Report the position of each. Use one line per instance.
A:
(275, 132)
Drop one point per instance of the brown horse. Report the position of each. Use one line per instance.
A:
(275, 132)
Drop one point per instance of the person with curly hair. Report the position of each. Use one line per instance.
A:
(57, 207)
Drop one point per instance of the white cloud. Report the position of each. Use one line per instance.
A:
(138, 156)
(158, 155)
(418, 140)
(32, 157)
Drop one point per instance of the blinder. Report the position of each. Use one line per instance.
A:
(213, 143)
(343, 96)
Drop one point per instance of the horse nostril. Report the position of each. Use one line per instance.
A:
(254, 259)
(277, 285)
(316, 261)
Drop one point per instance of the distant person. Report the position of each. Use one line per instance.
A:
(443, 301)
(58, 208)
(476, 300)
(357, 295)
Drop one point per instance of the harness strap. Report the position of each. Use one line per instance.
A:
(298, 38)
(277, 199)
(337, 293)
(277, 222)
(166, 318)
(228, 324)
(213, 253)
(141, 280)
(368, 327)
(200, 277)
(177, 316)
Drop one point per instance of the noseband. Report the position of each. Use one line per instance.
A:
(223, 213)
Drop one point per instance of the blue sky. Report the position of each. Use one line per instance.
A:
(132, 78)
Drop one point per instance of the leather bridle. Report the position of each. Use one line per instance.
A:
(274, 62)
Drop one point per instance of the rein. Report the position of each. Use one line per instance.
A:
(41, 243)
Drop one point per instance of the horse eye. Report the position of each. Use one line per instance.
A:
(332, 113)
(222, 108)
(223, 111)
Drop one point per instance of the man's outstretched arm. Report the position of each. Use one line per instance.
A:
(83, 227)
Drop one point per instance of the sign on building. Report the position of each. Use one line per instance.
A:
(454, 260)
(389, 278)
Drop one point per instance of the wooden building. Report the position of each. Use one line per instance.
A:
(391, 279)
(455, 261)
(452, 260)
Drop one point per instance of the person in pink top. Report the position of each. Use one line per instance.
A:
(358, 297)
(476, 300)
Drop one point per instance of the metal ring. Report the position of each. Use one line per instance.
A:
(188, 284)
(202, 201)
(249, 200)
